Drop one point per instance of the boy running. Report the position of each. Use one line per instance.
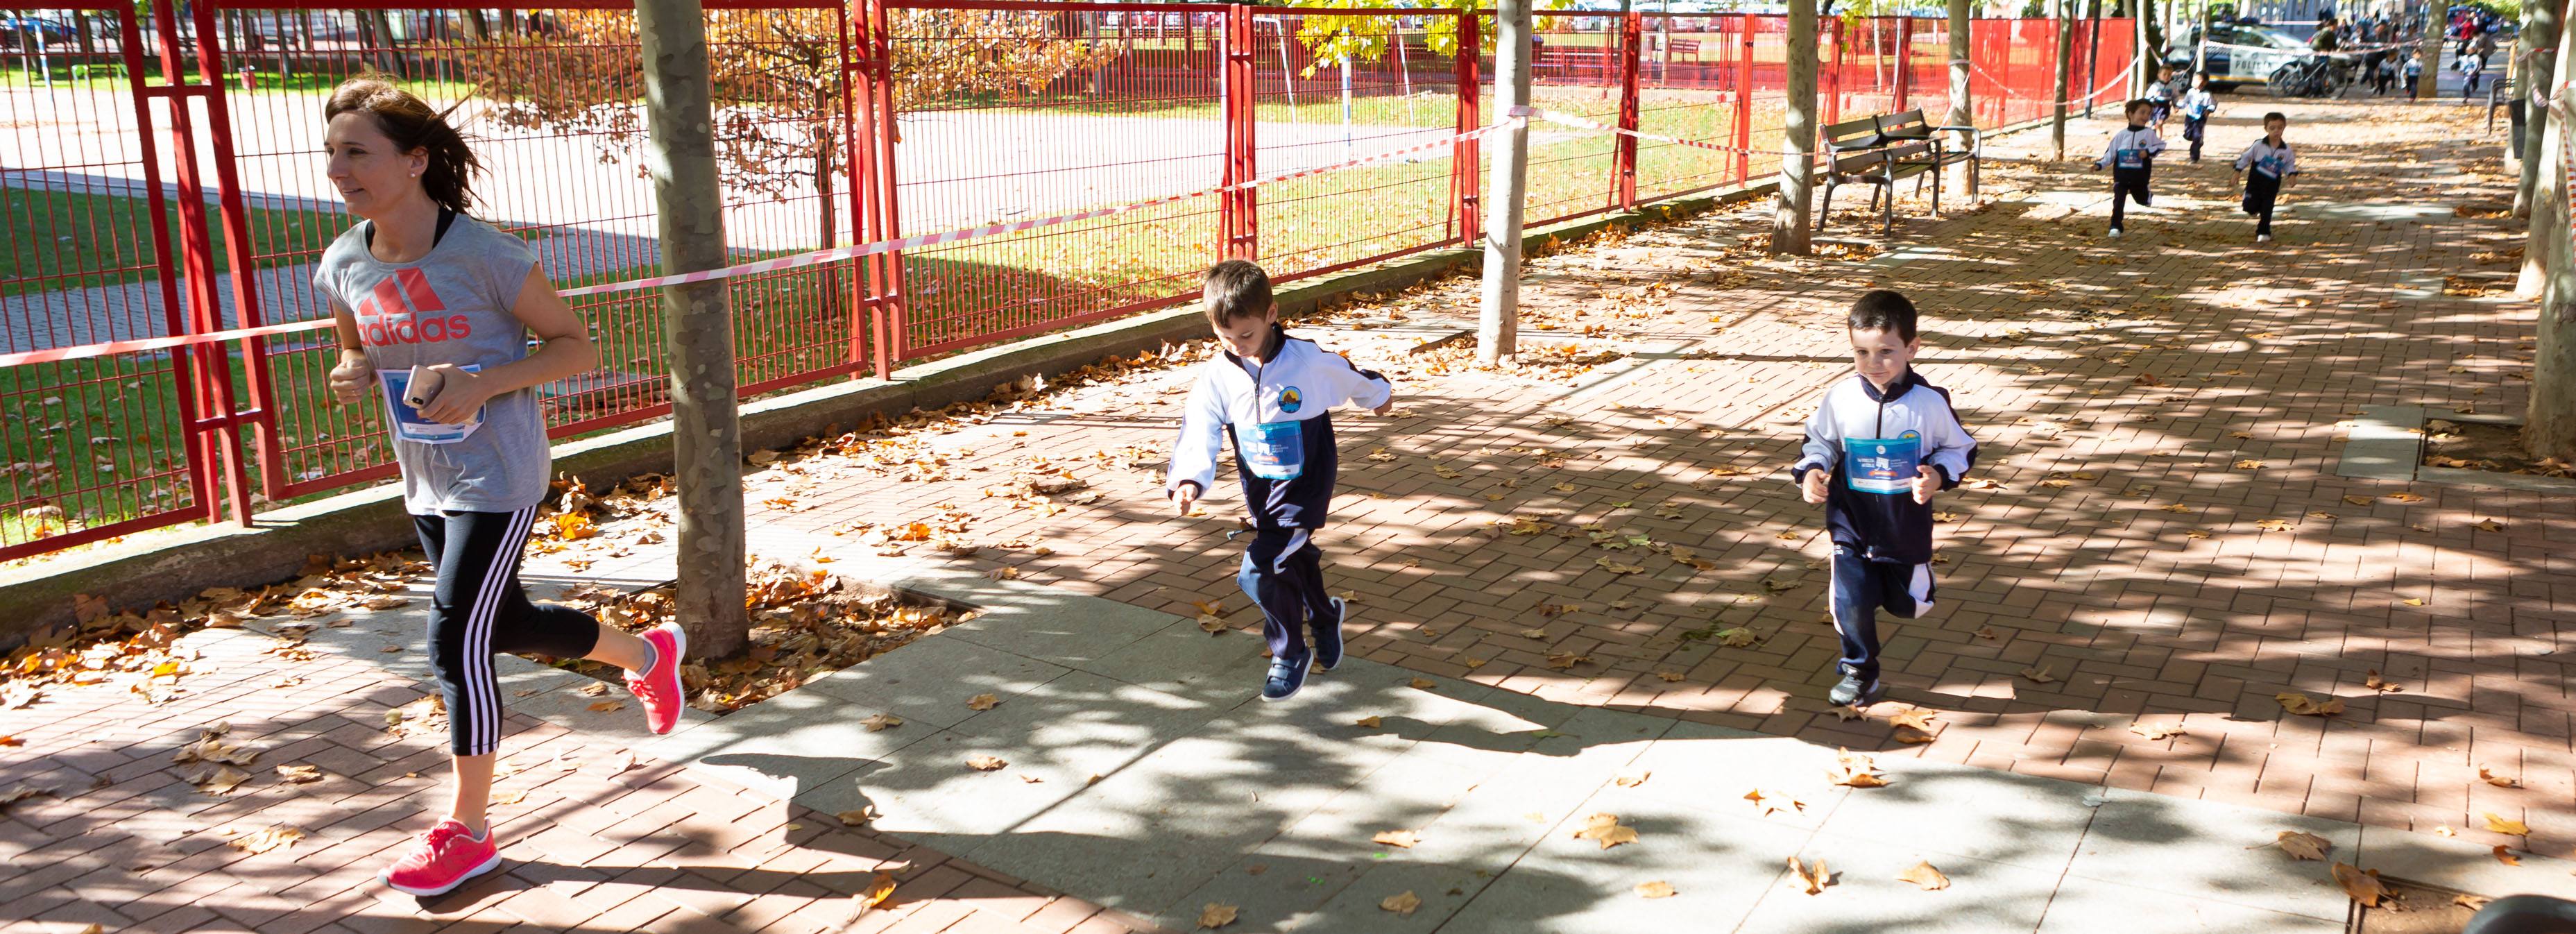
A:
(2131, 156)
(2197, 105)
(1878, 447)
(2267, 165)
(1274, 394)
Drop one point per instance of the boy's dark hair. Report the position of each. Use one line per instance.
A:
(2275, 115)
(1236, 289)
(1883, 310)
(2141, 104)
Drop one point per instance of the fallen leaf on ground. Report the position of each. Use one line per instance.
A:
(1403, 903)
(22, 793)
(1003, 573)
(1919, 718)
(2304, 705)
(1924, 877)
(2039, 674)
(1855, 770)
(2506, 856)
(1632, 778)
(1561, 661)
(2471, 902)
(883, 721)
(2377, 683)
(2302, 845)
(219, 779)
(1655, 890)
(1400, 839)
(859, 817)
(1211, 624)
(593, 689)
(2249, 464)
(984, 763)
(1669, 676)
(2491, 525)
(512, 796)
(1986, 632)
(1606, 829)
(1773, 802)
(1424, 684)
(1371, 722)
(1737, 637)
(1216, 915)
(2273, 525)
(2362, 885)
(1816, 878)
(2360, 500)
(983, 702)
(12, 741)
(1845, 713)
(880, 889)
(2508, 827)
(607, 706)
(1534, 633)
(268, 838)
(2499, 781)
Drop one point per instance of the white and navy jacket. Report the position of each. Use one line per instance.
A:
(2131, 150)
(2275, 161)
(1279, 413)
(1871, 441)
(2198, 104)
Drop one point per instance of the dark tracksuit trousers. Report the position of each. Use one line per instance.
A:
(2260, 192)
(1862, 586)
(2126, 184)
(479, 608)
(1283, 571)
(2194, 129)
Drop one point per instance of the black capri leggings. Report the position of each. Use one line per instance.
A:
(480, 609)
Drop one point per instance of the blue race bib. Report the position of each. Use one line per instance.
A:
(1274, 450)
(2131, 159)
(408, 424)
(1882, 465)
(2269, 165)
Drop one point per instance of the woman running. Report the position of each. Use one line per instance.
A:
(435, 310)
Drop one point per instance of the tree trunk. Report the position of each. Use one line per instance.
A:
(386, 57)
(2200, 42)
(1963, 110)
(2092, 55)
(2143, 68)
(2533, 85)
(285, 47)
(2549, 427)
(2430, 53)
(88, 33)
(476, 27)
(2065, 70)
(1498, 325)
(706, 431)
(1795, 212)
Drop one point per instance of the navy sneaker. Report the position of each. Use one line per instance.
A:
(1286, 676)
(1855, 690)
(1328, 639)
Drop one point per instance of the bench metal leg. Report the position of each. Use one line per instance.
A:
(1825, 207)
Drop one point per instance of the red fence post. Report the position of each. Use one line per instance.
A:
(1744, 100)
(874, 210)
(224, 471)
(1904, 63)
(1466, 175)
(1623, 154)
(1237, 219)
(1834, 76)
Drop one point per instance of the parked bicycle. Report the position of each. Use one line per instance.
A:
(2314, 76)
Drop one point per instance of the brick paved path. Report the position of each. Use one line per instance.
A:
(127, 844)
(2116, 387)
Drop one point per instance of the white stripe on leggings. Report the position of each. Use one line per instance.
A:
(482, 688)
(1295, 541)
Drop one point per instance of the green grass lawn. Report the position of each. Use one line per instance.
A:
(63, 240)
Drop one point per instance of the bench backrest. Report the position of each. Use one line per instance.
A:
(1908, 123)
(1851, 132)
(1685, 46)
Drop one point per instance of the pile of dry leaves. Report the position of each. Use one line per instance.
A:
(804, 623)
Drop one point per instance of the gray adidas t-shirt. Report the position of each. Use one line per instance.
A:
(452, 306)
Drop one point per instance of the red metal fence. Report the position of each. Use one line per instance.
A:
(838, 125)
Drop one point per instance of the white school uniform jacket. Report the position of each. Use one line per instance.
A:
(2277, 162)
(2131, 149)
(2198, 104)
(1279, 413)
(1871, 442)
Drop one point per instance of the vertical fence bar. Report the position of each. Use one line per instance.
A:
(1623, 158)
(1834, 74)
(1744, 99)
(1239, 111)
(1466, 158)
(1904, 63)
(227, 470)
(881, 211)
(234, 216)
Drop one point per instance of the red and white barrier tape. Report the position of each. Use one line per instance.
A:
(988, 230)
(1574, 121)
(767, 265)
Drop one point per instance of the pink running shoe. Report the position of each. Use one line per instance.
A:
(659, 688)
(445, 858)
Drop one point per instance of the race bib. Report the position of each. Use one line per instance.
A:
(2130, 159)
(408, 423)
(2269, 165)
(1882, 465)
(1274, 450)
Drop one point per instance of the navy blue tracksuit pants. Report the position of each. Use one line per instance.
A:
(1861, 588)
(1283, 571)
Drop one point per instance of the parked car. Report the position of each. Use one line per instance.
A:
(2238, 54)
(15, 30)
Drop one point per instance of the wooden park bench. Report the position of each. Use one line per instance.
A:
(1883, 149)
